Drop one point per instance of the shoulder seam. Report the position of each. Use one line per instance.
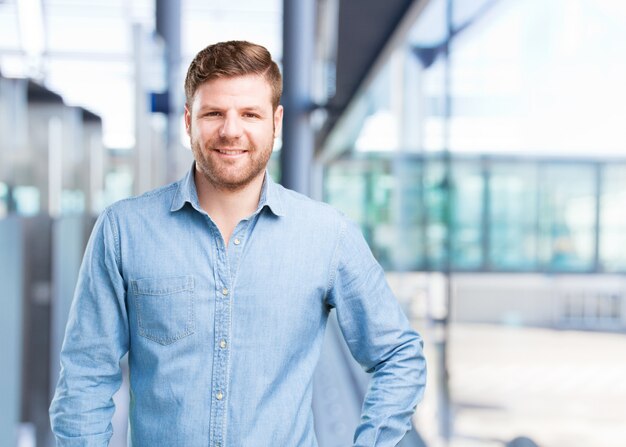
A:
(116, 239)
(148, 194)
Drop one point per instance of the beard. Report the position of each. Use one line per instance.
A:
(230, 175)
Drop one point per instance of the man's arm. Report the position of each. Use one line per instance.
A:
(96, 338)
(380, 338)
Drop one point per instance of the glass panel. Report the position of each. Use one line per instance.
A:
(408, 214)
(118, 184)
(516, 77)
(26, 200)
(567, 217)
(380, 128)
(384, 197)
(72, 201)
(344, 188)
(437, 214)
(380, 225)
(613, 219)
(434, 115)
(513, 216)
(467, 238)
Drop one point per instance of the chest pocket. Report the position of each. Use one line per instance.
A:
(165, 308)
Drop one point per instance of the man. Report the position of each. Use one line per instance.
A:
(219, 287)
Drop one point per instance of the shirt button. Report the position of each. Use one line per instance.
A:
(223, 344)
(220, 395)
(237, 241)
(224, 291)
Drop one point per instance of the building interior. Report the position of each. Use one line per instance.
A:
(479, 144)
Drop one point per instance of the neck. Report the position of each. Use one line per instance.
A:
(228, 207)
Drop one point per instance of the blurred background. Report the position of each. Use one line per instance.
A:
(480, 144)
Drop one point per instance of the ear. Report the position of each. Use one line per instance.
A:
(278, 121)
(187, 120)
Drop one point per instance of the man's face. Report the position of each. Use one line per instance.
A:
(231, 126)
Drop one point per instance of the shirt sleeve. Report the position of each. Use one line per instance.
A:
(96, 338)
(380, 338)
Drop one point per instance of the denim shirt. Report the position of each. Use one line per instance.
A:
(223, 340)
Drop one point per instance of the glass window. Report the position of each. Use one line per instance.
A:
(380, 223)
(408, 215)
(118, 184)
(384, 197)
(613, 218)
(437, 214)
(512, 216)
(516, 78)
(567, 217)
(26, 200)
(345, 187)
(467, 214)
(72, 201)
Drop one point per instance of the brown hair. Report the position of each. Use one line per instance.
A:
(230, 59)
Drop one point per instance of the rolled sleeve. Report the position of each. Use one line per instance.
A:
(96, 338)
(380, 338)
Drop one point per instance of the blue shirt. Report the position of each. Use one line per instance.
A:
(223, 341)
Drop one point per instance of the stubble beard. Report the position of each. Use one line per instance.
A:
(220, 174)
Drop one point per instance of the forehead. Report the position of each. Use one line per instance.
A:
(239, 91)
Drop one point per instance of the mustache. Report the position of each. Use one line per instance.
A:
(229, 142)
(222, 141)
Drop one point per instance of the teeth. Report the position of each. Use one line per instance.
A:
(229, 152)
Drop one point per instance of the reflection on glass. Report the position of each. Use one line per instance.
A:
(437, 218)
(26, 200)
(467, 235)
(567, 217)
(345, 188)
(613, 218)
(72, 202)
(513, 216)
(503, 215)
(118, 184)
(408, 214)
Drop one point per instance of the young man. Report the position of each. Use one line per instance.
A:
(219, 287)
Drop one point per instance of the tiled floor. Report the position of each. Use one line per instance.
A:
(559, 388)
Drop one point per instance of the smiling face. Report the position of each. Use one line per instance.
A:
(231, 125)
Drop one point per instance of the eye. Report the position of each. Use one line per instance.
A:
(251, 115)
(212, 113)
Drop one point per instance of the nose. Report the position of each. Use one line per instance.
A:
(231, 126)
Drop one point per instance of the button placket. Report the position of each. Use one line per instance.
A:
(222, 333)
(225, 272)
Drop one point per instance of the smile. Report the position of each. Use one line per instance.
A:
(231, 151)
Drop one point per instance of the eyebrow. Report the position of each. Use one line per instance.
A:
(254, 108)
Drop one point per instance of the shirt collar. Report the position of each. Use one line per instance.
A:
(271, 196)
(186, 193)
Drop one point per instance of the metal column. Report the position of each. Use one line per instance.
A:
(337, 397)
(298, 55)
(11, 318)
(339, 383)
(168, 26)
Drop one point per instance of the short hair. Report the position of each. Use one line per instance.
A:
(231, 59)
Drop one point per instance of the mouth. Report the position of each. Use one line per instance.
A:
(231, 152)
